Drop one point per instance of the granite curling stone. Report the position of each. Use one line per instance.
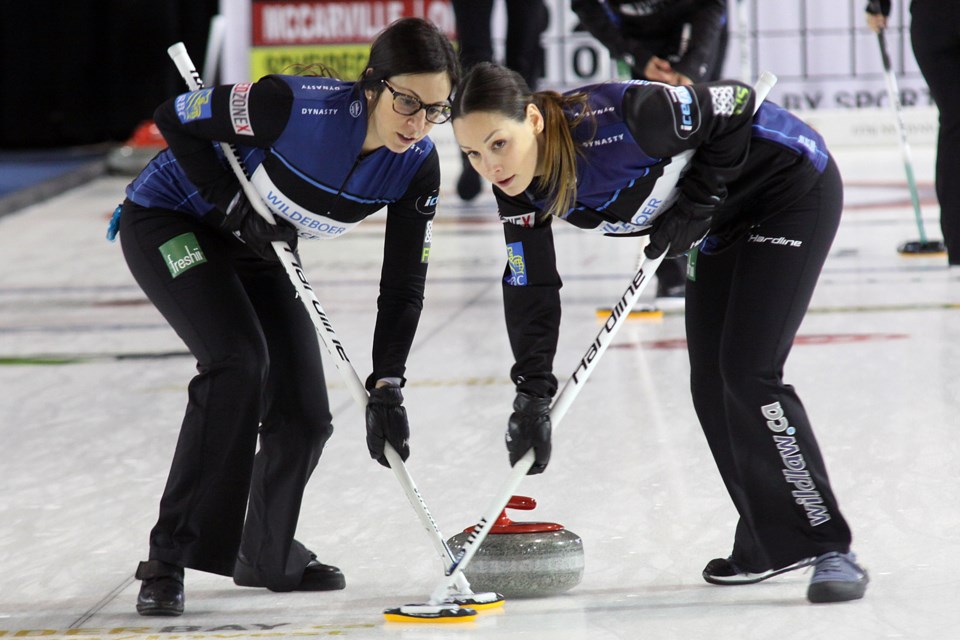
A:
(524, 559)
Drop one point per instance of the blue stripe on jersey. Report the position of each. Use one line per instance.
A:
(776, 124)
(327, 188)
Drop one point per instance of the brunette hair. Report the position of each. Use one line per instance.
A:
(496, 89)
(408, 46)
(311, 69)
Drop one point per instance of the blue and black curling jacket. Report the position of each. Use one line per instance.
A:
(642, 147)
(300, 139)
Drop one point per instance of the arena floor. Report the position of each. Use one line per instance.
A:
(94, 383)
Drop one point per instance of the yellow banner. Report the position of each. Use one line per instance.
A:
(346, 60)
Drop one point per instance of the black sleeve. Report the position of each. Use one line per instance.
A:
(192, 121)
(406, 252)
(714, 119)
(531, 298)
(598, 19)
(707, 25)
(884, 7)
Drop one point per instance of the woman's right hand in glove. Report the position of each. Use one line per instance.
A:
(529, 427)
(243, 221)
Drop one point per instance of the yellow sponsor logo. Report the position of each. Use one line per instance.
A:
(194, 103)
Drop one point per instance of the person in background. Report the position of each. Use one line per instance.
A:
(325, 154)
(671, 41)
(757, 208)
(935, 38)
(526, 20)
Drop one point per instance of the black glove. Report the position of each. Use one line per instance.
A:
(387, 422)
(683, 226)
(529, 426)
(243, 221)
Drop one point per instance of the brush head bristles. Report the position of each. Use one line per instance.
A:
(918, 247)
(478, 601)
(430, 613)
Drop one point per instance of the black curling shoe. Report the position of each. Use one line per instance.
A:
(321, 577)
(316, 577)
(161, 590)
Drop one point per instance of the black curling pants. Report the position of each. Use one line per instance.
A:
(526, 20)
(743, 312)
(258, 374)
(935, 35)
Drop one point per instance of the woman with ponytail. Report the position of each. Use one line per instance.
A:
(755, 200)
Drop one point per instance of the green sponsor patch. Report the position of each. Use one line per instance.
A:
(692, 264)
(182, 253)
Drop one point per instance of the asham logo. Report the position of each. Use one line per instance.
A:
(182, 253)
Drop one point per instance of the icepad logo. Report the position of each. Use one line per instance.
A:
(683, 112)
(427, 204)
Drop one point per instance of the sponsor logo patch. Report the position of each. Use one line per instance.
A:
(182, 253)
(779, 241)
(686, 112)
(427, 241)
(427, 204)
(805, 492)
(193, 106)
(599, 142)
(518, 266)
(314, 111)
(728, 100)
(356, 109)
(522, 220)
(240, 109)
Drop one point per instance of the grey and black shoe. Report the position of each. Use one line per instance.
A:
(837, 578)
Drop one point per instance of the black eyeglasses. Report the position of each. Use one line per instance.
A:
(407, 105)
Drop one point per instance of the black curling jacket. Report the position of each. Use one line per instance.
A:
(300, 139)
(644, 146)
(627, 27)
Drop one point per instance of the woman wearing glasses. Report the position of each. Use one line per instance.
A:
(324, 154)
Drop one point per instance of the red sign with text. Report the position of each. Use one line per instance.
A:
(339, 21)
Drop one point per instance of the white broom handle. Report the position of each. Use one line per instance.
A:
(893, 93)
(558, 410)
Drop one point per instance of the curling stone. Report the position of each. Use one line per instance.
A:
(524, 559)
